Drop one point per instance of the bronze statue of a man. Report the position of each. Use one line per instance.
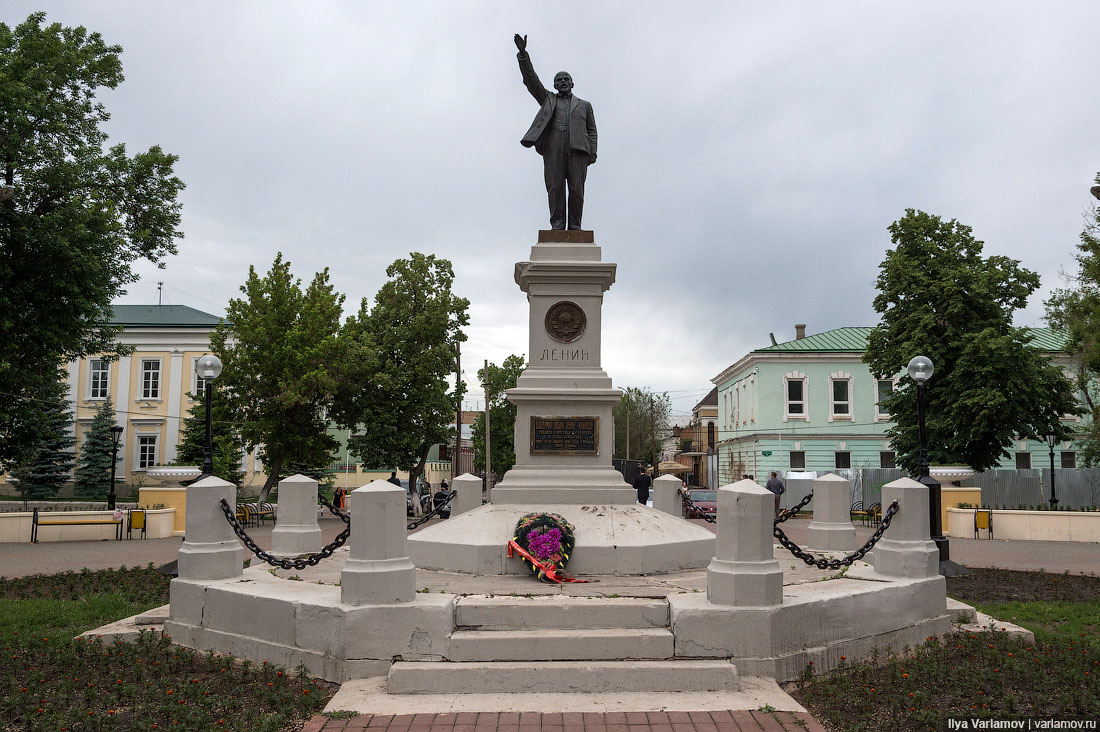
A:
(564, 134)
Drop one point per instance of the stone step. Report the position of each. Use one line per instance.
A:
(597, 644)
(503, 677)
(556, 611)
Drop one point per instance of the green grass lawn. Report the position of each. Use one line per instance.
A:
(49, 681)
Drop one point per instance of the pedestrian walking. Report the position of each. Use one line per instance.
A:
(775, 485)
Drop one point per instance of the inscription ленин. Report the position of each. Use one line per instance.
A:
(564, 354)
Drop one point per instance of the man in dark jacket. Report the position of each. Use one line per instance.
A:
(564, 134)
(775, 485)
(641, 484)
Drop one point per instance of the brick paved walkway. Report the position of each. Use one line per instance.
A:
(737, 721)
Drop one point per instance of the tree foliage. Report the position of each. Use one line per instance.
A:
(502, 415)
(44, 467)
(227, 445)
(281, 362)
(398, 395)
(93, 472)
(938, 297)
(79, 214)
(1075, 310)
(641, 421)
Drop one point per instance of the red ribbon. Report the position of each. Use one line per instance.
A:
(547, 570)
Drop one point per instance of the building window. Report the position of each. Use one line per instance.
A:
(198, 388)
(843, 460)
(1069, 460)
(147, 451)
(710, 434)
(840, 393)
(798, 460)
(795, 388)
(1023, 461)
(150, 378)
(884, 389)
(887, 459)
(98, 379)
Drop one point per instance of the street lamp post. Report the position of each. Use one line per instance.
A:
(116, 437)
(920, 370)
(1052, 439)
(209, 367)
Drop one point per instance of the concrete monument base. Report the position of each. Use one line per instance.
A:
(618, 540)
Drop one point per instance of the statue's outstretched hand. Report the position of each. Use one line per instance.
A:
(521, 43)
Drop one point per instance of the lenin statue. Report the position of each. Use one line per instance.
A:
(564, 134)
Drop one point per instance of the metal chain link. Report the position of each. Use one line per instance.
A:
(334, 510)
(689, 506)
(309, 560)
(822, 563)
(788, 513)
(434, 512)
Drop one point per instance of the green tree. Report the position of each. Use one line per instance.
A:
(641, 421)
(93, 471)
(46, 466)
(281, 359)
(78, 216)
(502, 415)
(227, 445)
(938, 297)
(398, 395)
(1075, 311)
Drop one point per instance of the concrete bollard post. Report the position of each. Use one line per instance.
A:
(469, 493)
(831, 529)
(744, 571)
(906, 549)
(211, 549)
(296, 530)
(665, 495)
(379, 571)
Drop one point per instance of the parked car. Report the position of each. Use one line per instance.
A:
(705, 503)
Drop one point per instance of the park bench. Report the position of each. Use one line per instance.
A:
(78, 521)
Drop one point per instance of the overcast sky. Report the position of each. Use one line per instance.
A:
(751, 155)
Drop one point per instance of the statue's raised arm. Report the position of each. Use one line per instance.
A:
(521, 43)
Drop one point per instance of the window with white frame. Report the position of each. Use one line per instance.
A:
(150, 378)
(884, 389)
(99, 378)
(147, 451)
(840, 394)
(198, 388)
(794, 388)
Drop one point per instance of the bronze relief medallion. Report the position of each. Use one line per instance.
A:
(565, 321)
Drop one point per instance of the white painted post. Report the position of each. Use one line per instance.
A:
(469, 493)
(831, 529)
(211, 549)
(906, 549)
(744, 571)
(296, 530)
(665, 496)
(379, 571)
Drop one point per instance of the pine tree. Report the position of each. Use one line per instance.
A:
(93, 472)
(46, 468)
(225, 436)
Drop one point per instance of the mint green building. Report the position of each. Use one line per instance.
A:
(811, 404)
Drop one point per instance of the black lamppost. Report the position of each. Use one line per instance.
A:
(920, 370)
(116, 437)
(1052, 440)
(209, 367)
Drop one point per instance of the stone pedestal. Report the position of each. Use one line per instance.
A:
(296, 529)
(469, 494)
(666, 495)
(744, 571)
(211, 549)
(831, 529)
(379, 571)
(906, 549)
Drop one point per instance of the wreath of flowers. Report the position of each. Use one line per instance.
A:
(547, 537)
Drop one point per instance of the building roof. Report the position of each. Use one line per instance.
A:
(710, 400)
(854, 340)
(160, 316)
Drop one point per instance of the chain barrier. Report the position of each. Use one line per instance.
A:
(434, 512)
(334, 510)
(821, 562)
(789, 512)
(308, 560)
(690, 508)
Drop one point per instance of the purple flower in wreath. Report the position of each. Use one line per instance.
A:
(545, 544)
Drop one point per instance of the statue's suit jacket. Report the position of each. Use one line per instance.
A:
(582, 123)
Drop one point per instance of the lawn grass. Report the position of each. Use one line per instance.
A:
(49, 681)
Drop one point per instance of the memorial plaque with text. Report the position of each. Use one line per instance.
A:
(565, 435)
